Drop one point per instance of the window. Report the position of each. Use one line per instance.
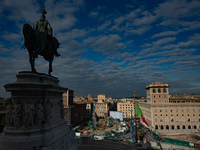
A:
(189, 127)
(171, 110)
(193, 110)
(161, 119)
(188, 119)
(187, 110)
(154, 90)
(166, 119)
(167, 127)
(154, 101)
(161, 127)
(172, 120)
(156, 127)
(165, 110)
(172, 127)
(159, 101)
(154, 96)
(159, 91)
(155, 110)
(183, 119)
(194, 119)
(177, 119)
(160, 110)
(195, 126)
(178, 127)
(176, 110)
(156, 120)
(164, 90)
(182, 110)
(183, 127)
(165, 101)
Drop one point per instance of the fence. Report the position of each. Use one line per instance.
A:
(173, 141)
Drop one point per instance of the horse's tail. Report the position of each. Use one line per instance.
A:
(27, 29)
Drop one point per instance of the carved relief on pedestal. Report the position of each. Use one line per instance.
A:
(16, 115)
(48, 111)
(39, 114)
(29, 113)
(9, 115)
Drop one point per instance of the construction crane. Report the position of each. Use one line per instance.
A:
(104, 120)
(93, 117)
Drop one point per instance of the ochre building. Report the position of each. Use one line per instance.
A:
(101, 107)
(125, 108)
(175, 114)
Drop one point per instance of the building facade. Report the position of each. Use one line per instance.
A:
(125, 107)
(101, 98)
(101, 107)
(169, 114)
(75, 112)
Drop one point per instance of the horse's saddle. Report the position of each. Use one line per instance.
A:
(42, 42)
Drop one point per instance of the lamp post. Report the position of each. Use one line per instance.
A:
(136, 139)
(132, 126)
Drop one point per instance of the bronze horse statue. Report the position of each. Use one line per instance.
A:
(38, 43)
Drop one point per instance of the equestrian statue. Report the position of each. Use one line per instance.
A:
(39, 41)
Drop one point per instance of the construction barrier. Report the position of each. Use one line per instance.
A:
(173, 141)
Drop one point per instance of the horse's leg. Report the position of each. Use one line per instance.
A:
(32, 61)
(50, 66)
(34, 70)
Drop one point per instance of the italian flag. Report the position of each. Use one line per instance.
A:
(139, 113)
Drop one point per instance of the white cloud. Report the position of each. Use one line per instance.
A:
(166, 33)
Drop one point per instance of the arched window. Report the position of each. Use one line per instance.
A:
(154, 90)
(159, 91)
(164, 90)
(167, 127)
(183, 127)
(178, 127)
(172, 127)
(156, 120)
(161, 127)
(177, 119)
(166, 119)
(189, 127)
(195, 126)
(156, 127)
(183, 119)
(194, 119)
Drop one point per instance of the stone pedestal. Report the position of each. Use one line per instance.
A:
(35, 115)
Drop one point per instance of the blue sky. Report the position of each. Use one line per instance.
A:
(108, 46)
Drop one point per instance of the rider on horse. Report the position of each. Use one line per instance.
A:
(43, 26)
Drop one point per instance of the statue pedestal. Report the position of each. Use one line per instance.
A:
(35, 115)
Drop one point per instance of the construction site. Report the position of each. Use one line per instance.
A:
(111, 127)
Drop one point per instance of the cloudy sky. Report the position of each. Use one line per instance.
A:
(108, 46)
